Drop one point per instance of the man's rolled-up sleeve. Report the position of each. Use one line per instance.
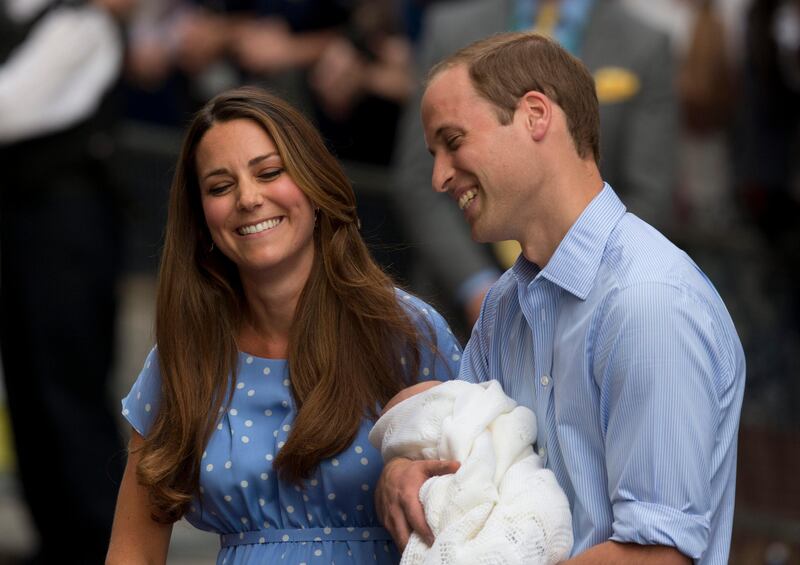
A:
(657, 364)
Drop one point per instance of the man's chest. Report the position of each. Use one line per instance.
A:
(542, 353)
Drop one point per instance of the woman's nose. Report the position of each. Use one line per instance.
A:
(251, 195)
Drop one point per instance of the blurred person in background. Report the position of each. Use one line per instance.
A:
(633, 69)
(156, 88)
(361, 82)
(59, 63)
(707, 39)
(768, 180)
(184, 52)
(769, 167)
(359, 87)
(278, 340)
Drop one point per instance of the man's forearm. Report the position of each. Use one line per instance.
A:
(614, 553)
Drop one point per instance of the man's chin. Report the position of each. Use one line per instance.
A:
(480, 234)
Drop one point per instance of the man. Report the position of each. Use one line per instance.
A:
(611, 334)
(633, 68)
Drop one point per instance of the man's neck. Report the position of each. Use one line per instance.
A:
(566, 197)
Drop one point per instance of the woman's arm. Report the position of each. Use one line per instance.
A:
(136, 538)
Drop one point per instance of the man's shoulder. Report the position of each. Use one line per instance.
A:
(641, 266)
(638, 253)
(648, 282)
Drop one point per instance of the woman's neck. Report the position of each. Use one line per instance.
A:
(270, 311)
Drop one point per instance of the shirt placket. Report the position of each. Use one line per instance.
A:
(539, 310)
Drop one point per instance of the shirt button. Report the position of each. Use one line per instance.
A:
(545, 380)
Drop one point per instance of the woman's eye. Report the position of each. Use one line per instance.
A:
(270, 174)
(219, 189)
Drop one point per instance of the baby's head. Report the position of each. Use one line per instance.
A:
(408, 393)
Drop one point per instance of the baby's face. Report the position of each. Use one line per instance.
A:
(408, 393)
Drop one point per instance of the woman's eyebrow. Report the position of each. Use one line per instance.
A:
(250, 163)
(257, 160)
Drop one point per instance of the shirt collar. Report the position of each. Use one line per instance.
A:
(574, 264)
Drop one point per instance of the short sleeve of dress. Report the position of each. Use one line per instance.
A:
(141, 404)
(440, 352)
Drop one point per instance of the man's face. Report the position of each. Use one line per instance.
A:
(483, 165)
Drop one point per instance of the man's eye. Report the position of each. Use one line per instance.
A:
(453, 142)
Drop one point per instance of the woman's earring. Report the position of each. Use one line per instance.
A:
(315, 216)
(211, 247)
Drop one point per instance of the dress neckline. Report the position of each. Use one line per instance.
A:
(248, 358)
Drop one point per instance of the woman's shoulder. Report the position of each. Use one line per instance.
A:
(413, 304)
(441, 351)
(421, 312)
(141, 404)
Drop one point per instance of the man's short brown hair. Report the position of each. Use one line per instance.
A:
(505, 66)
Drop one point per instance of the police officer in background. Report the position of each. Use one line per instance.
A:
(59, 63)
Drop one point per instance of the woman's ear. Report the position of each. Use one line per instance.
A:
(537, 110)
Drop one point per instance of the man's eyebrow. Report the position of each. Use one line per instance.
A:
(441, 131)
(250, 163)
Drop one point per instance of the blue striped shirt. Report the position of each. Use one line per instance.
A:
(628, 357)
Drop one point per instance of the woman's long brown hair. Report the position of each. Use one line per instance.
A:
(346, 340)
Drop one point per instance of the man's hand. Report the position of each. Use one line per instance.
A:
(397, 497)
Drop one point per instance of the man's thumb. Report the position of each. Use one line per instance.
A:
(436, 468)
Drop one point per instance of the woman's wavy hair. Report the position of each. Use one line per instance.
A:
(346, 340)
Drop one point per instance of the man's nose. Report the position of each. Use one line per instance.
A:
(442, 173)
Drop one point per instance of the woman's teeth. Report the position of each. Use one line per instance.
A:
(265, 225)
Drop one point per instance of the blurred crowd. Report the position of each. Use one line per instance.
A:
(700, 135)
(698, 102)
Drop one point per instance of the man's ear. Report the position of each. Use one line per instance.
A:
(537, 111)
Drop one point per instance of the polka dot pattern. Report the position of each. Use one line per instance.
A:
(241, 495)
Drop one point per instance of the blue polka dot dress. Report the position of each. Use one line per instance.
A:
(260, 519)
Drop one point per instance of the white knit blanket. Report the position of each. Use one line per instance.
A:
(502, 507)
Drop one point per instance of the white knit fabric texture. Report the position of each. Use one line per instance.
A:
(502, 507)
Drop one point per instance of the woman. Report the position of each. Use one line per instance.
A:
(279, 339)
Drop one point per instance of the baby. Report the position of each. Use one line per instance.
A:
(501, 506)
(408, 392)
